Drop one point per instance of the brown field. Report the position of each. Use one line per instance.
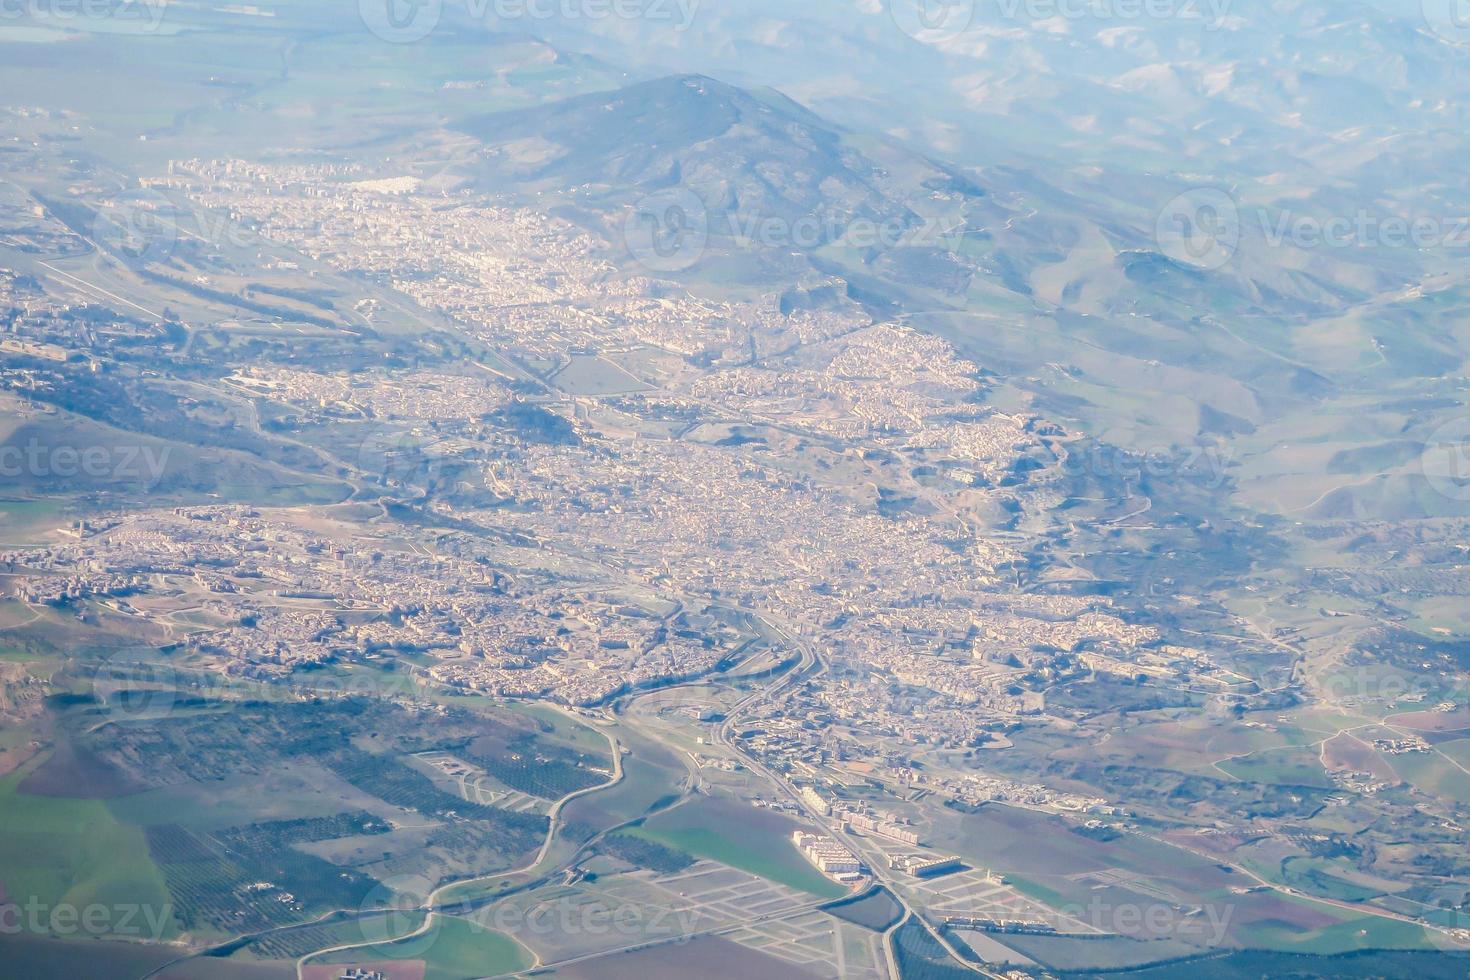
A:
(1433, 721)
(1265, 910)
(80, 774)
(1345, 753)
(1222, 844)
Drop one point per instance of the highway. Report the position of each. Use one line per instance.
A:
(810, 659)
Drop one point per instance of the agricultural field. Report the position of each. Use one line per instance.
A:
(741, 836)
(69, 851)
(450, 949)
(249, 816)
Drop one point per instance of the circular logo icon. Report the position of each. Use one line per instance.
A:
(1199, 228)
(400, 21)
(139, 226)
(394, 910)
(134, 684)
(1450, 19)
(932, 21)
(1445, 461)
(397, 459)
(667, 231)
(1153, 585)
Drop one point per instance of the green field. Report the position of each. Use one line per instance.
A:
(60, 851)
(715, 831)
(1318, 877)
(1433, 773)
(1289, 766)
(453, 949)
(1357, 933)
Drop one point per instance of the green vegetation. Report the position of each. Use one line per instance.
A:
(1316, 877)
(645, 853)
(246, 881)
(276, 834)
(294, 943)
(1356, 933)
(1036, 890)
(393, 782)
(451, 948)
(716, 831)
(535, 766)
(1289, 766)
(58, 850)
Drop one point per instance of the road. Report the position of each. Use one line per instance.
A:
(431, 905)
(554, 817)
(722, 736)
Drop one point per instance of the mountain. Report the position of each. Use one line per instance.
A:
(762, 165)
